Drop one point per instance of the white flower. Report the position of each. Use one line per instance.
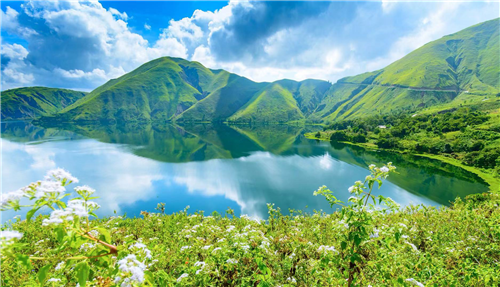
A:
(131, 266)
(291, 279)
(215, 249)
(404, 236)
(54, 280)
(326, 248)
(351, 189)
(412, 246)
(6, 198)
(185, 247)
(375, 233)
(94, 233)
(60, 265)
(230, 228)
(384, 169)
(184, 275)
(6, 236)
(143, 248)
(415, 282)
(85, 188)
(60, 174)
(47, 188)
(87, 246)
(206, 247)
(200, 263)
(371, 166)
(232, 261)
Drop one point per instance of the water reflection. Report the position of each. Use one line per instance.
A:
(213, 167)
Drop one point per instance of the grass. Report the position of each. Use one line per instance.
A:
(456, 246)
(33, 102)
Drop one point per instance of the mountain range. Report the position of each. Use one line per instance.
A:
(462, 68)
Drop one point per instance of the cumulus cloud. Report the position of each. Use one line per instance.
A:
(75, 45)
(81, 44)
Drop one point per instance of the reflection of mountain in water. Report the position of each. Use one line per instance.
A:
(433, 179)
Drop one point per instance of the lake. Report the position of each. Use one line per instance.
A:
(214, 167)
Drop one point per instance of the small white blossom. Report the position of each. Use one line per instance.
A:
(415, 282)
(384, 169)
(185, 247)
(6, 236)
(54, 280)
(184, 275)
(133, 268)
(326, 248)
(6, 198)
(215, 249)
(85, 188)
(143, 248)
(60, 174)
(232, 261)
(60, 265)
(291, 279)
(46, 188)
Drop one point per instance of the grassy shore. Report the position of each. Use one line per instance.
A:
(455, 246)
(486, 175)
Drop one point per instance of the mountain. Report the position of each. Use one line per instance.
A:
(33, 102)
(176, 89)
(458, 67)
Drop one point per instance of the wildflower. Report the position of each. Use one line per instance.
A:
(215, 249)
(47, 188)
(415, 282)
(184, 275)
(87, 246)
(142, 247)
(75, 207)
(185, 247)
(60, 174)
(291, 279)
(384, 169)
(232, 261)
(206, 247)
(371, 166)
(54, 280)
(85, 189)
(200, 263)
(94, 233)
(7, 198)
(353, 199)
(404, 236)
(230, 228)
(60, 265)
(325, 248)
(130, 265)
(375, 233)
(6, 236)
(412, 246)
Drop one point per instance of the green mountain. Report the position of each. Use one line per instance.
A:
(176, 89)
(33, 102)
(456, 68)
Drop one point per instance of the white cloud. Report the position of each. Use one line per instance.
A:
(82, 45)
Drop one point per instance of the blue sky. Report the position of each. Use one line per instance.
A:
(81, 45)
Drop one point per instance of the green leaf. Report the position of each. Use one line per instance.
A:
(104, 233)
(24, 260)
(30, 213)
(82, 272)
(42, 273)
(60, 233)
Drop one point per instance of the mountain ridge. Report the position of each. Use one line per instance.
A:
(461, 68)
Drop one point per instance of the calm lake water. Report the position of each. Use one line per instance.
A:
(213, 167)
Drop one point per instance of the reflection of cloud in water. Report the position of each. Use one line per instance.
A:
(120, 178)
(260, 178)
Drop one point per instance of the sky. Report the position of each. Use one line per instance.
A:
(82, 44)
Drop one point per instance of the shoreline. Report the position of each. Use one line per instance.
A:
(493, 182)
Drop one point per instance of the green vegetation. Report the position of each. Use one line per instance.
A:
(366, 243)
(470, 138)
(458, 69)
(173, 89)
(33, 102)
